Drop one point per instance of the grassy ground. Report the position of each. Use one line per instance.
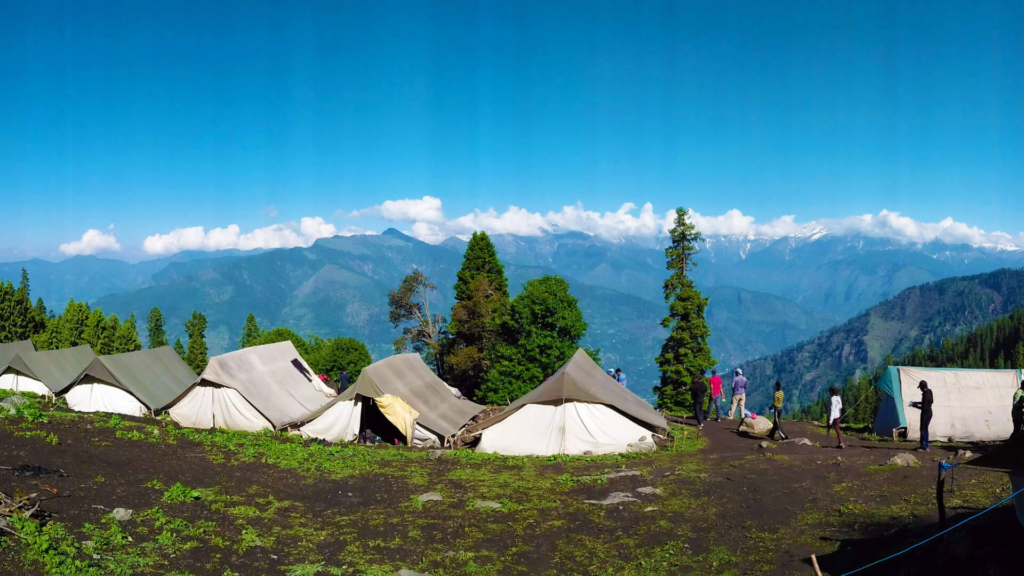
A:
(216, 502)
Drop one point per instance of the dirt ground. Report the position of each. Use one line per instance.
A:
(217, 503)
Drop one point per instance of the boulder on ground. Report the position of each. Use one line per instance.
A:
(429, 497)
(409, 573)
(614, 498)
(649, 490)
(757, 426)
(488, 504)
(903, 459)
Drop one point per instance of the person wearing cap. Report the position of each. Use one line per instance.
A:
(925, 406)
(716, 397)
(739, 393)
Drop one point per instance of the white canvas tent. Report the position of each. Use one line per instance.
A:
(578, 410)
(132, 383)
(267, 386)
(970, 405)
(49, 372)
(13, 375)
(409, 396)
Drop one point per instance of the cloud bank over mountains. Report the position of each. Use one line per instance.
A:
(424, 218)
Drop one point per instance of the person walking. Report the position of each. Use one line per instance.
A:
(1017, 413)
(925, 406)
(835, 414)
(739, 393)
(716, 397)
(620, 377)
(777, 409)
(698, 389)
(343, 381)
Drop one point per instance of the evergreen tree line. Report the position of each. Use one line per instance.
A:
(997, 345)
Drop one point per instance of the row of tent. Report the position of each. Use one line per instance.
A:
(578, 410)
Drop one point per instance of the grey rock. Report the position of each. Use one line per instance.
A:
(435, 454)
(651, 509)
(964, 454)
(614, 498)
(621, 474)
(757, 426)
(122, 514)
(649, 490)
(486, 504)
(763, 444)
(903, 459)
(88, 544)
(409, 573)
(430, 497)
(797, 441)
(13, 401)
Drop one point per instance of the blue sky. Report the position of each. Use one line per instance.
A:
(156, 117)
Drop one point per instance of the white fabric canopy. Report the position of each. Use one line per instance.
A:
(208, 406)
(567, 428)
(20, 382)
(339, 423)
(970, 405)
(92, 396)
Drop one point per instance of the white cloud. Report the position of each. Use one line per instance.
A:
(430, 225)
(305, 233)
(92, 241)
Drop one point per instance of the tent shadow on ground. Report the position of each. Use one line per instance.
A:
(983, 546)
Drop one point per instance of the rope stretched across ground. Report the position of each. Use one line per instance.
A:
(1011, 496)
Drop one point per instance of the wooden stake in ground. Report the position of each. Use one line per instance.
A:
(814, 562)
(940, 494)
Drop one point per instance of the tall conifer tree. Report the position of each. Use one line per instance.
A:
(196, 356)
(108, 336)
(686, 353)
(127, 337)
(250, 332)
(155, 331)
(179, 348)
(480, 259)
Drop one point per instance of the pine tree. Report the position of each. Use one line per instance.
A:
(480, 259)
(72, 326)
(686, 353)
(7, 321)
(473, 338)
(155, 332)
(1018, 355)
(93, 332)
(23, 286)
(41, 312)
(127, 337)
(179, 348)
(196, 357)
(250, 332)
(108, 336)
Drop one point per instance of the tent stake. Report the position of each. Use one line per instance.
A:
(814, 562)
(940, 496)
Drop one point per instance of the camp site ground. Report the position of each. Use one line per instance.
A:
(221, 502)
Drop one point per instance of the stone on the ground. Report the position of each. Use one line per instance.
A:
(9, 403)
(763, 444)
(797, 441)
(122, 514)
(614, 498)
(651, 509)
(435, 454)
(429, 497)
(964, 454)
(757, 426)
(903, 459)
(488, 504)
(409, 573)
(611, 475)
(649, 490)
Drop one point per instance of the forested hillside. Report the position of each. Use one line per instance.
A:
(997, 345)
(917, 317)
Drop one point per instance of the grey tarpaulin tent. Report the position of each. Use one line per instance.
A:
(970, 405)
(57, 369)
(13, 377)
(404, 376)
(579, 409)
(122, 383)
(267, 386)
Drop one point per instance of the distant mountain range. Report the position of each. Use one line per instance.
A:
(765, 294)
(921, 316)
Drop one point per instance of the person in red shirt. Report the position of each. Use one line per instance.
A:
(716, 396)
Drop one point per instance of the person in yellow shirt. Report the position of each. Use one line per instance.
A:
(777, 409)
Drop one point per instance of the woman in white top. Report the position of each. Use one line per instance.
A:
(835, 414)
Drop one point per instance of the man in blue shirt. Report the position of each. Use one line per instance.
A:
(739, 393)
(620, 377)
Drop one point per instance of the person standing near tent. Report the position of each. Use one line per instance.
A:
(343, 381)
(835, 414)
(925, 406)
(777, 409)
(620, 377)
(739, 393)
(1017, 413)
(716, 396)
(698, 389)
